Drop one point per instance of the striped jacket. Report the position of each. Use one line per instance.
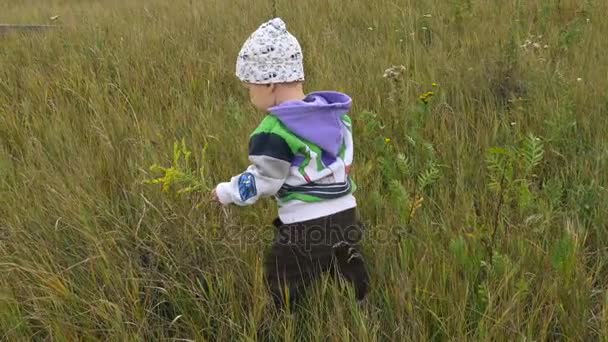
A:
(301, 154)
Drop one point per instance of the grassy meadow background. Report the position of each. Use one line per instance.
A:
(496, 187)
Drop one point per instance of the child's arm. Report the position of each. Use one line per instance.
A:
(271, 159)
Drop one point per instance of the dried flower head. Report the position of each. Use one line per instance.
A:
(394, 72)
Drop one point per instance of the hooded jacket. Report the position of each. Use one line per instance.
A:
(301, 153)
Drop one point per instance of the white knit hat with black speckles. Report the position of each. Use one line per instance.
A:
(270, 55)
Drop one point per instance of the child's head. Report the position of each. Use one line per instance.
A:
(270, 64)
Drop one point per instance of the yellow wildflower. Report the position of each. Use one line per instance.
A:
(426, 96)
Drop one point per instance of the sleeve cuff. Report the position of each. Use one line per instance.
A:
(222, 191)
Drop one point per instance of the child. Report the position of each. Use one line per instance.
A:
(301, 153)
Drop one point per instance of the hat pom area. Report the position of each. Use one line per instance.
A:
(278, 24)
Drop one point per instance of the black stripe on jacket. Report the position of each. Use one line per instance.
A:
(271, 145)
(324, 191)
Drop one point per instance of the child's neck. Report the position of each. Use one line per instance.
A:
(289, 94)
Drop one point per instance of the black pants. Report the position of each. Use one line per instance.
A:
(303, 251)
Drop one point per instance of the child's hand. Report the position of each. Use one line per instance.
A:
(214, 197)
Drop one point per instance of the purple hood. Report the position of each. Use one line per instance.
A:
(316, 118)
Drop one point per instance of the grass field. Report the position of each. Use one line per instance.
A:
(485, 201)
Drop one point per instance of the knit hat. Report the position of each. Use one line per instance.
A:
(270, 55)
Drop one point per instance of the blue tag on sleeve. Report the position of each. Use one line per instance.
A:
(247, 187)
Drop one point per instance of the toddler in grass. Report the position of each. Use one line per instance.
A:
(301, 153)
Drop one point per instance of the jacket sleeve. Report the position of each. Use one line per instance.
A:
(270, 158)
